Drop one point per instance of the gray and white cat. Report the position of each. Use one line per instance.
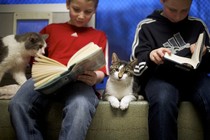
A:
(15, 54)
(121, 87)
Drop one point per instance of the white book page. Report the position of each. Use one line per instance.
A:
(83, 53)
(198, 48)
(180, 60)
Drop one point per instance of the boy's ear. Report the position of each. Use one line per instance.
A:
(67, 6)
(162, 1)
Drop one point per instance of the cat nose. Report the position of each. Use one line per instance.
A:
(120, 75)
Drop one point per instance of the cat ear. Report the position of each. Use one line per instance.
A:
(134, 62)
(115, 58)
(33, 38)
(45, 36)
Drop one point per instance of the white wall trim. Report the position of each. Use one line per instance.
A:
(33, 8)
(31, 16)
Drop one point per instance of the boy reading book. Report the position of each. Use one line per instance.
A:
(28, 107)
(170, 30)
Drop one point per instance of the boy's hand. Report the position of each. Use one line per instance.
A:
(157, 55)
(192, 48)
(88, 77)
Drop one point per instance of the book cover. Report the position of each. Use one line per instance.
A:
(49, 75)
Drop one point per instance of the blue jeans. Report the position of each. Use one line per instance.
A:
(164, 96)
(28, 109)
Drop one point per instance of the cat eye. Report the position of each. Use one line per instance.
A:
(116, 69)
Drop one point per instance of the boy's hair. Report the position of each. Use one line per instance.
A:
(165, 0)
(95, 1)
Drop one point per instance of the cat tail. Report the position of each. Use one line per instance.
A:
(104, 96)
(140, 68)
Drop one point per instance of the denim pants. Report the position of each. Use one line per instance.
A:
(28, 109)
(164, 97)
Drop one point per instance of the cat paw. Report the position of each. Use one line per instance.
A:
(140, 97)
(6, 97)
(115, 104)
(124, 106)
(8, 91)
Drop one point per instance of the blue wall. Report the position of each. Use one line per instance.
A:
(119, 18)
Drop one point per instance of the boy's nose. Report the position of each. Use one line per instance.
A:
(178, 17)
(81, 15)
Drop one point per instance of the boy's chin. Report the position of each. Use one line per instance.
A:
(79, 24)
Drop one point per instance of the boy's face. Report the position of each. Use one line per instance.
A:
(81, 12)
(176, 10)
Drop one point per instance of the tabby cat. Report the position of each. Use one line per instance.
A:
(121, 88)
(15, 54)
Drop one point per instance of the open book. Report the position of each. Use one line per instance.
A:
(50, 75)
(195, 59)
